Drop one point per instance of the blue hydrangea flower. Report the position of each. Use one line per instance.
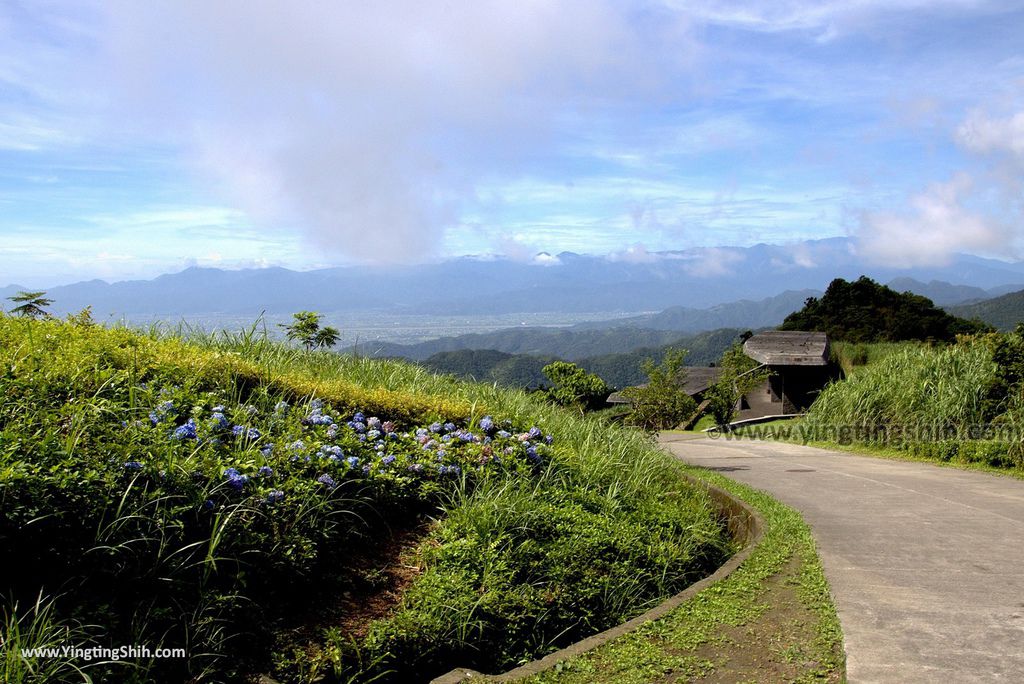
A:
(332, 431)
(359, 418)
(435, 427)
(548, 439)
(218, 409)
(373, 434)
(535, 432)
(486, 423)
(316, 404)
(237, 430)
(504, 434)
(388, 460)
(297, 445)
(422, 432)
(186, 431)
(327, 481)
(352, 461)
(416, 468)
(275, 496)
(281, 408)
(267, 449)
(235, 479)
(449, 427)
(448, 470)
(132, 466)
(266, 471)
(220, 420)
(358, 426)
(208, 505)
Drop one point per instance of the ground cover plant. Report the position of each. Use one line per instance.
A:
(222, 494)
(770, 620)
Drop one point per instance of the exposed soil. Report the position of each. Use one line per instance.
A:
(369, 587)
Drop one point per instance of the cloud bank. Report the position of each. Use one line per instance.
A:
(368, 125)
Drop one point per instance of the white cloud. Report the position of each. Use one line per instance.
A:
(713, 262)
(985, 134)
(937, 226)
(369, 125)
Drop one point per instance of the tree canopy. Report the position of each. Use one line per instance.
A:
(865, 311)
(31, 304)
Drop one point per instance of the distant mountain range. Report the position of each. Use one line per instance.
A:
(571, 283)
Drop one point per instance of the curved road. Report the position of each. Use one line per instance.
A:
(926, 564)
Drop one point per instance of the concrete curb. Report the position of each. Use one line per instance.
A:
(745, 526)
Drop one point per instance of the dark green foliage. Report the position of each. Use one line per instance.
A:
(306, 329)
(1005, 385)
(31, 304)
(662, 403)
(865, 311)
(574, 387)
(738, 378)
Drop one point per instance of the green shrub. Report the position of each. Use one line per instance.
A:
(663, 402)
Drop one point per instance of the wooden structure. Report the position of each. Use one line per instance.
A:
(800, 366)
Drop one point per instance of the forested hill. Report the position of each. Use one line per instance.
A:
(865, 311)
(1004, 313)
(561, 342)
(619, 369)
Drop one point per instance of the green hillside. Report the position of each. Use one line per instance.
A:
(865, 311)
(314, 516)
(1003, 313)
(620, 369)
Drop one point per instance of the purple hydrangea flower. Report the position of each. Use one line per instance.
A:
(487, 424)
(388, 460)
(266, 471)
(387, 427)
(373, 423)
(327, 481)
(449, 427)
(416, 468)
(535, 432)
(548, 439)
(434, 427)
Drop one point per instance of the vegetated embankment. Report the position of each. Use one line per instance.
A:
(229, 496)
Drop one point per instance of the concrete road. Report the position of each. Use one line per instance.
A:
(926, 563)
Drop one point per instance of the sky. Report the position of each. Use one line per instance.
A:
(139, 138)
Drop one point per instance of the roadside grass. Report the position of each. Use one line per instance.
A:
(772, 619)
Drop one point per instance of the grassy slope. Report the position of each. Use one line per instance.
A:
(771, 620)
(604, 528)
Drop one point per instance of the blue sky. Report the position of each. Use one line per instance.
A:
(139, 138)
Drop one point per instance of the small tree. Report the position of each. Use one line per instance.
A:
(663, 402)
(574, 386)
(31, 304)
(306, 329)
(740, 375)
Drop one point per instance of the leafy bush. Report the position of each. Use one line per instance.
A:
(575, 387)
(738, 377)
(662, 403)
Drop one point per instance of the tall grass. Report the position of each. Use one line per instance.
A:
(913, 389)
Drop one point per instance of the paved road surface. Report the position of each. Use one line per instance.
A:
(926, 563)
